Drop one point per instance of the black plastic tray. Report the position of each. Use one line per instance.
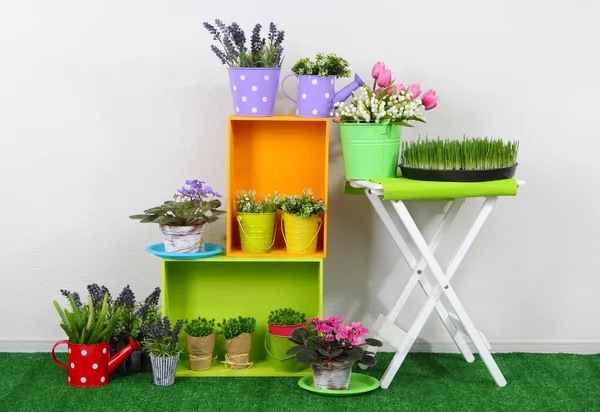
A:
(458, 175)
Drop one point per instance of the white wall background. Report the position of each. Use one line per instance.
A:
(107, 107)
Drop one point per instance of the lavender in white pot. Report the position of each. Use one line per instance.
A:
(183, 219)
(162, 343)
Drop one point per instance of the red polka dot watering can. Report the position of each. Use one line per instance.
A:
(91, 365)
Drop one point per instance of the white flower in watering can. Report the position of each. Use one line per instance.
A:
(183, 219)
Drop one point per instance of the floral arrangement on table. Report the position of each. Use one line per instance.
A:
(304, 205)
(386, 101)
(323, 66)
(247, 202)
(233, 51)
(162, 343)
(329, 340)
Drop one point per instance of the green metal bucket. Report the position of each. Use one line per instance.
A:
(257, 231)
(276, 347)
(370, 150)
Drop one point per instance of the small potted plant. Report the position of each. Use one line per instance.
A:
(316, 84)
(301, 221)
(281, 324)
(162, 343)
(331, 349)
(253, 71)
(89, 328)
(256, 220)
(371, 123)
(183, 219)
(200, 340)
(453, 160)
(238, 341)
(283, 321)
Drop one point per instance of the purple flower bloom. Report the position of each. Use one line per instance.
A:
(66, 294)
(97, 292)
(219, 54)
(255, 42)
(279, 38)
(237, 35)
(211, 29)
(126, 298)
(184, 191)
(229, 48)
(220, 24)
(272, 32)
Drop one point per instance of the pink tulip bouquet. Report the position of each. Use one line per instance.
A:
(386, 101)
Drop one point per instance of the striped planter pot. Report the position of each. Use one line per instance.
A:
(163, 369)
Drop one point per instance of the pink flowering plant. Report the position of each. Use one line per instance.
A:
(329, 340)
(386, 102)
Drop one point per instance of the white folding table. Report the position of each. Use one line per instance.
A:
(435, 283)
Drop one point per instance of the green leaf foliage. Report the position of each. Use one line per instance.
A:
(286, 317)
(86, 325)
(303, 206)
(323, 66)
(466, 154)
(200, 327)
(233, 327)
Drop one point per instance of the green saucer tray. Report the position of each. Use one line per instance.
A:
(359, 384)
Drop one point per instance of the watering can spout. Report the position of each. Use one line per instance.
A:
(120, 356)
(343, 94)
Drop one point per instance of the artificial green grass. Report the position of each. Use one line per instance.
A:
(425, 382)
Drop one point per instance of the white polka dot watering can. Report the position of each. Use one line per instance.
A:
(316, 94)
(91, 365)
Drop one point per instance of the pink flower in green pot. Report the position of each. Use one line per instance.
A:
(377, 69)
(384, 79)
(414, 90)
(429, 99)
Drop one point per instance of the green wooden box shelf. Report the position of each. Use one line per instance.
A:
(223, 287)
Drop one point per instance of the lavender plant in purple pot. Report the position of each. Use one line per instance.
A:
(253, 72)
(316, 84)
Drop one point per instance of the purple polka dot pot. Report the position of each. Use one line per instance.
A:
(253, 90)
(316, 94)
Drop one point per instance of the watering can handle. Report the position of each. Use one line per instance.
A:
(59, 363)
(283, 90)
(269, 352)
(239, 219)
(309, 243)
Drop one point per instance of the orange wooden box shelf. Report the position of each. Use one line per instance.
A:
(284, 153)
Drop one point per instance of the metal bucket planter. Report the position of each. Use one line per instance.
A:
(300, 235)
(254, 90)
(163, 369)
(257, 231)
(370, 150)
(183, 239)
(332, 375)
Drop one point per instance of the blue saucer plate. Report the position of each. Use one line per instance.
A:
(210, 249)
